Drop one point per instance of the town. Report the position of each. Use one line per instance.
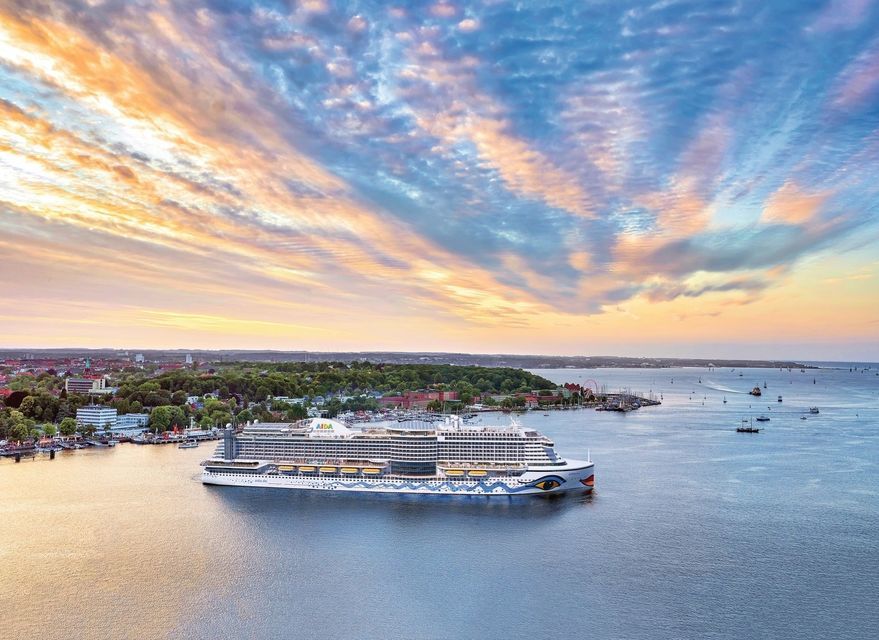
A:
(48, 404)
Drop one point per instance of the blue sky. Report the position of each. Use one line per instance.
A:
(501, 170)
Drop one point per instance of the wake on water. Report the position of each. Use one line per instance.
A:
(718, 387)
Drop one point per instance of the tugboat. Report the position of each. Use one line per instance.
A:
(763, 419)
(747, 428)
(813, 410)
(756, 391)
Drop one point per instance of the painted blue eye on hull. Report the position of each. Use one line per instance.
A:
(548, 482)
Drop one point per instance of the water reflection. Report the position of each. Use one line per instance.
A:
(256, 501)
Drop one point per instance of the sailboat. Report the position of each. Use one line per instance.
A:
(724, 399)
(747, 427)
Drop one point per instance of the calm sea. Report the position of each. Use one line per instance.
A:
(694, 531)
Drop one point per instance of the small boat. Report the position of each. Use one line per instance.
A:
(190, 444)
(764, 384)
(371, 471)
(802, 417)
(306, 469)
(478, 473)
(286, 468)
(453, 472)
(747, 427)
(349, 470)
(724, 399)
(779, 398)
(756, 392)
(328, 469)
(762, 419)
(813, 410)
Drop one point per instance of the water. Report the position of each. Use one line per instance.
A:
(695, 531)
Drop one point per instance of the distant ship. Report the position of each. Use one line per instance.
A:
(450, 458)
(756, 391)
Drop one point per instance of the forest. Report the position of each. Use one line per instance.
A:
(243, 391)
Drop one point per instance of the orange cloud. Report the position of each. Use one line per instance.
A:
(790, 204)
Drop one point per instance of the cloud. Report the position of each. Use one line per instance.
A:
(490, 165)
(468, 24)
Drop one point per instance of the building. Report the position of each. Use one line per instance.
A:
(188, 358)
(418, 399)
(287, 400)
(138, 358)
(90, 386)
(132, 422)
(78, 385)
(96, 415)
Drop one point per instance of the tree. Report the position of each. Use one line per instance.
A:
(29, 406)
(160, 418)
(178, 417)
(49, 430)
(296, 412)
(67, 427)
(19, 431)
(178, 398)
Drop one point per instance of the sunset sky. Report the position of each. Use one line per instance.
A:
(675, 178)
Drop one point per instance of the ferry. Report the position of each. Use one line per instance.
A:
(449, 458)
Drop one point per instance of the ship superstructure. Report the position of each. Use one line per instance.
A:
(448, 458)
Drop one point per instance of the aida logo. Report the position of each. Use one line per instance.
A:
(324, 425)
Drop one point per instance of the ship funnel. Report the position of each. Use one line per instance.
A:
(228, 444)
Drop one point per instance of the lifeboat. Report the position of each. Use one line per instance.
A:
(454, 472)
(478, 473)
(328, 469)
(371, 471)
(349, 470)
(286, 467)
(306, 469)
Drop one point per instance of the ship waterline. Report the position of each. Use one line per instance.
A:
(451, 458)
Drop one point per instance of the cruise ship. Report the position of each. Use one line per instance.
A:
(448, 458)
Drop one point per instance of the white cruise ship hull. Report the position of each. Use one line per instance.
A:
(573, 476)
